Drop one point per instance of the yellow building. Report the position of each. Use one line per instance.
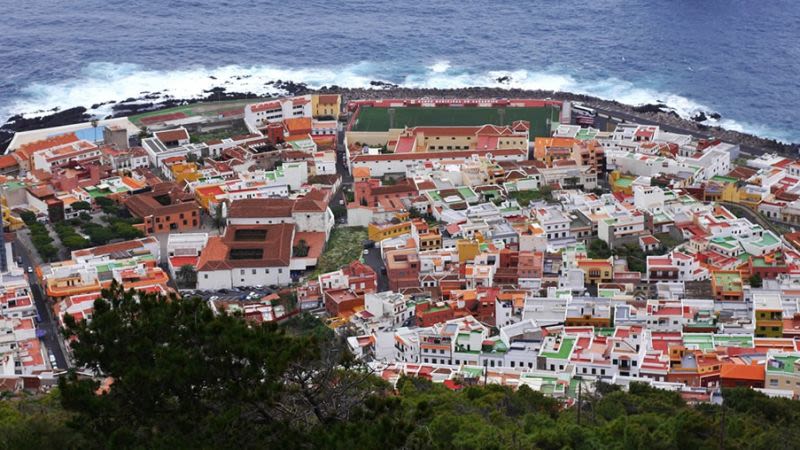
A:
(326, 105)
(768, 314)
(207, 195)
(380, 231)
(596, 270)
(736, 194)
(467, 249)
(185, 172)
(621, 183)
(430, 241)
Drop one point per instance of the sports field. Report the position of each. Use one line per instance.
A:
(377, 119)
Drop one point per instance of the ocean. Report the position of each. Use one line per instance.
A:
(738, 58)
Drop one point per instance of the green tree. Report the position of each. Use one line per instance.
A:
(755, 280)
(598, 249)
(186, 377)
(187, 275)
(47, 251)
(339, 212)
(37, 422)
(94, 123)
(75, 242)
(28, 217)
(301, 249)
(219, 219)
(81, 206)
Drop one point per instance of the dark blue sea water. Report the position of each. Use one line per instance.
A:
(740, 58)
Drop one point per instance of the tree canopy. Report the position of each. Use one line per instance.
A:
(184, 377)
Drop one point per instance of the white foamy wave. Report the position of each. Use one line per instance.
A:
(104, 82)
(439, 67)
(101, 83)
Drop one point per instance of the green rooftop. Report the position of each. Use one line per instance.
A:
(734, 340)
(472, 371)
(723, 179)
(585, 134)
(731, 282)
(702, 341)
(784, 364)
(564, 350)
(624, 182)
(725, 242)
(466, 192)
(767, 240)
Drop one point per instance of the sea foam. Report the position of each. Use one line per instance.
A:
(101, 83)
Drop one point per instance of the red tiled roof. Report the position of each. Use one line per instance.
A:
(7, 161)
(55, 141)
(260, 207)
(162, 118)
(178, 134)
(265, 106)
(276, 248)
(328, 99)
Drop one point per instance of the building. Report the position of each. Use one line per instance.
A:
(310, 212)
(326, 105)
(783, 372)
(247, 255)
(167, 208)
(402, 269)
(726, 285)
(768, 312)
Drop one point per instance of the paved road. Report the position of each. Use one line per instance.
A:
(341, 170)
(52, 339)
(615, 116)
(374, 260)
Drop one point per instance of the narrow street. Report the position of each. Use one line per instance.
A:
(52, 339)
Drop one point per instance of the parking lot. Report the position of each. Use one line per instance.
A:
(234, 294)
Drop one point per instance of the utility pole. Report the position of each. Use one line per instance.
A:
(722, 428)
(580, 391)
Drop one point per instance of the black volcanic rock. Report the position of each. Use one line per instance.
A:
(382, 84)
(291, 87)
(649, 108)
(57, 119)
(700, 117)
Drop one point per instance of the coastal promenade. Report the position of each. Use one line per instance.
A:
(621, 117)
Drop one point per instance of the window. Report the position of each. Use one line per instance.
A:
(280, 270)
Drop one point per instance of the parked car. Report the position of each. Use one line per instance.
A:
(30, 269)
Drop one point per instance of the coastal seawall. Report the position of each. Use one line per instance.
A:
(651, 113)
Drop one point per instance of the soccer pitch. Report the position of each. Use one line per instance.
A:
(377, 119)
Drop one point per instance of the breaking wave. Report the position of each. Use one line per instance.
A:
(101, 83)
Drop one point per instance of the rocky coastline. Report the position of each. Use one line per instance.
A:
(659, 113)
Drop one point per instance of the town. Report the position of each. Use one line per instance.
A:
(465, 241)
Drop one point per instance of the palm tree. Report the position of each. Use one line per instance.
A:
(187, 275)
(94, 126)
(301, 249)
